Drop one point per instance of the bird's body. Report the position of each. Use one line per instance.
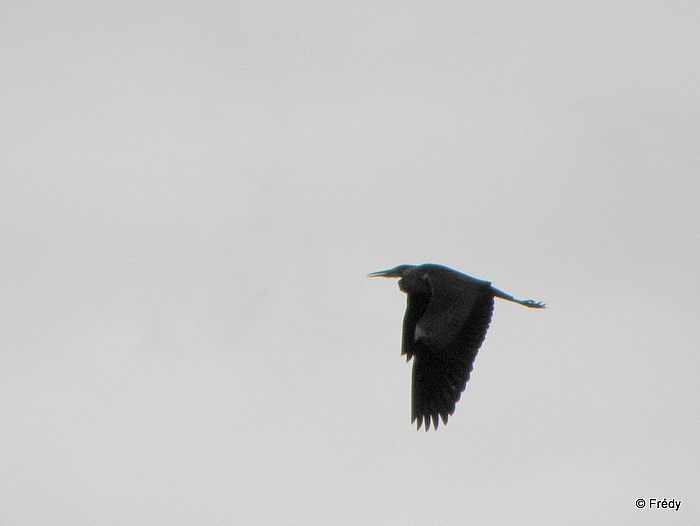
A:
(447, 316)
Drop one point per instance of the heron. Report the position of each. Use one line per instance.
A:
(447, 316)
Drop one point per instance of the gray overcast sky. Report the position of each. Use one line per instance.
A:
(192, 193)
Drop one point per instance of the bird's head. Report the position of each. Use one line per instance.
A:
(411, 277)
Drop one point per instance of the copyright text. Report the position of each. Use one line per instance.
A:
(672, 504)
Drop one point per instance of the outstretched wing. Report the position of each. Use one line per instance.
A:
(455, 301)
(445, 347)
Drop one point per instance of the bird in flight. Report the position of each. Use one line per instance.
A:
(447, 316)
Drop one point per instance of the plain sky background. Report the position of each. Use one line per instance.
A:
(191, 195)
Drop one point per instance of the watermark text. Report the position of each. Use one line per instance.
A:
(653, 503)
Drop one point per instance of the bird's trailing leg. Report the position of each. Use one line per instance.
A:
(528, 303)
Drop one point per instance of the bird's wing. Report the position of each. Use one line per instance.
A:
(444, 355)
(454, 301)
(438, 383)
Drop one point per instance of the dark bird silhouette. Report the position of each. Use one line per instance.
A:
(447, 316)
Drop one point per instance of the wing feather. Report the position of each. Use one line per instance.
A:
(442, 365)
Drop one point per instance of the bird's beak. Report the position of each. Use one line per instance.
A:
(381, 274)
